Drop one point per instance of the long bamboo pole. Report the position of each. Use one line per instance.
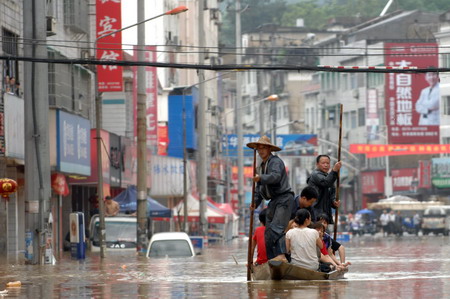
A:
(336, 215)
(250, 232)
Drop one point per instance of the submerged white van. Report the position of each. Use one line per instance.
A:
(436, 219)
(120, 233)
(170, 244)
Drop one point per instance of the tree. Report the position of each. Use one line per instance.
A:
(316, 16)
(258, 12)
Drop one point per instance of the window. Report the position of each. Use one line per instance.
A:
(10, 67)
(361, 117)
(344, 85)
(446, 140)
(353, 81)
(375, 79)
(447, 105)
(76, 15)
(347, 119)
(445, 60)
(353, 118)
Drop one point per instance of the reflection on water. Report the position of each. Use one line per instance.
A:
(406, 267)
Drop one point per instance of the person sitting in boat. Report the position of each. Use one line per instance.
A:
(331, 243)
(305, 200)
(301, 242)
(326, 262)
(258, 240)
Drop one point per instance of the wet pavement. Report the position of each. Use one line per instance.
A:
(382, 267)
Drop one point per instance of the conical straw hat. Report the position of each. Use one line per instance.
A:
(264, 140)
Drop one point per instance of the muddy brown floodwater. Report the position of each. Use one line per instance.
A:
(382, 267)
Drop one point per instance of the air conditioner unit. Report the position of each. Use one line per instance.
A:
(84, 54)
(216, 60)
(51, 26)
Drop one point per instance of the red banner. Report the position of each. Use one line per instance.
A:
(110, 47)
(412, 100)
(382, 150)
(163, 140)
(151, 90)
(151, 96)
(424, 174)
(373, 182)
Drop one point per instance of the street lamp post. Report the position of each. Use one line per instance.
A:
(185, 191)
(141, 157)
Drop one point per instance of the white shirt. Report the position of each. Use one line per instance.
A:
(428, 106)
(384, 219)
(303, 247)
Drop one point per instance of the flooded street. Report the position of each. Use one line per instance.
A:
(393, 267)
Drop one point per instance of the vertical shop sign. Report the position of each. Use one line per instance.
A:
(110, 47)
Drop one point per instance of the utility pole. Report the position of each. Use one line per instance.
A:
(202, 158)
(101, 203)
(37, 155)
(272, 86)
(240, 137)
(141, 137)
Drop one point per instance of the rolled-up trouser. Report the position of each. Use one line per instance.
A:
(277, 218)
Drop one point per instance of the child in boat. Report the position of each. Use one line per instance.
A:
(301, 242)
(324, 257)
(258, 240)
(330, 243)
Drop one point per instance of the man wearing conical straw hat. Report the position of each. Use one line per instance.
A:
(272, 184)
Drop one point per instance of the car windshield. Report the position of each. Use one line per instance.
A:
(434, 213)
(117, 231)
(170, 248)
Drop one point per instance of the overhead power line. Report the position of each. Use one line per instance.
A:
(241, 67)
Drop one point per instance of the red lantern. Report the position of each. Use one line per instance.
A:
(7, 186)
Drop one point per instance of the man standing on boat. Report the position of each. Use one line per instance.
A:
(322, 179)
(272, 184)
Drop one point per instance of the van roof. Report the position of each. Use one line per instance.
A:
(121, 218)
(170, 236)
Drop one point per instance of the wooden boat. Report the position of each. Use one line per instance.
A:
(277, 270)
(261, 272)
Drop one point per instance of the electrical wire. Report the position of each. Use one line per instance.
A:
(225, 67)
(269, 51)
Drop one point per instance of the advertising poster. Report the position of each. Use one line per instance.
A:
(412, 100)
(291, 144)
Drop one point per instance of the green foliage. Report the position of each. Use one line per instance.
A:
(257, 13)
(316, 16)
(315, 13)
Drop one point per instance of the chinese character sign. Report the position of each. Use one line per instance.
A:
(151, 90)
(109, 47)
(402, 179)
(372, 118)
(151, 96)
(412, 100)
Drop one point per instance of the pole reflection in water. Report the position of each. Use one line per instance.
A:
(395, 267)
